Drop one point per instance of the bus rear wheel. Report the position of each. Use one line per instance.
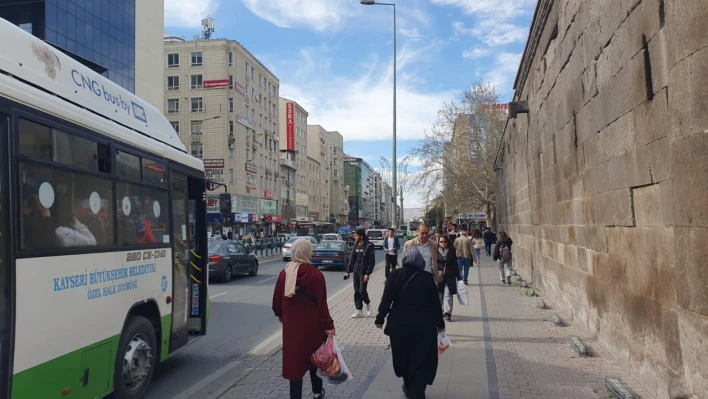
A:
(136, 359)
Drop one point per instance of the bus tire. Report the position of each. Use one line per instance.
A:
(136, 359)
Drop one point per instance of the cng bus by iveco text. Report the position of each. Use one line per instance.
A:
(102, 231)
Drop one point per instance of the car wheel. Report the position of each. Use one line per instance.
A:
(228, 273)
(285, 259)
(136, 360)
(254, 269)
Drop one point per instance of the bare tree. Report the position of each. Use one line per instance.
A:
(458, 153)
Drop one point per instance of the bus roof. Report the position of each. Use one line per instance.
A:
(38, 63)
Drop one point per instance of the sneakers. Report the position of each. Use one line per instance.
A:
(508, 280)
(368, 310)
(359, 314)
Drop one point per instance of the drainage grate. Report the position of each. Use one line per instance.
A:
(556, 320)
(541, 304)
(619, 389)
(580, 347)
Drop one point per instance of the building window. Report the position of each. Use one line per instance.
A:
(246, 94)
(231, 105)
(231, 127)
(252, 72)
(197, 105)
(197, 127)
(175, 126)
(260, 80)
(172, 105)
(231, 176)
(231, 82)
(173, 60)
(198, 150)
(172, 83)
(196, 57)
(335, 173)
(197, 81)
(246, 71)
(230, 58)
(334, 151)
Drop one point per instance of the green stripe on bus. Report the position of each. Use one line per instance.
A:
(49, 379)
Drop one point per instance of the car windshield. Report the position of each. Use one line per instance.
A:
(332, 246)
(329, 237)
(292, 240)
(376, 234)
(215, 246)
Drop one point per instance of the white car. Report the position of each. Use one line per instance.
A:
(331, 237)
(288, 244)
(376, 236)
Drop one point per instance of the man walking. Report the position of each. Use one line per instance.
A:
(428, 248)
(391, 247)
(361, 265)
(463, 250)
(489, 239)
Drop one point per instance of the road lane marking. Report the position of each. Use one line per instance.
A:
(218, 295)
(268, 279)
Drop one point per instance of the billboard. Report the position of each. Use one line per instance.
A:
(290, 125)
(216, 84)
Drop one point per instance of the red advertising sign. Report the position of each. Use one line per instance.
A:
(268, 194)
(216, 84)
(290, 125)
(273, 218)
(239, 88)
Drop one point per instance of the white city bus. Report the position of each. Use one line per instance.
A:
(102, 221)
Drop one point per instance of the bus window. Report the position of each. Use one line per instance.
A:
(128, 165)
(142, 215)
(154, 172)
(64, 209)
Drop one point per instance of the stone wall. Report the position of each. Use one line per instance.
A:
(602, 185)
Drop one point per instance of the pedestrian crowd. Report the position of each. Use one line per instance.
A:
(418, 299)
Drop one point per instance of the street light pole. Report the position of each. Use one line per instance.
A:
(373, 3)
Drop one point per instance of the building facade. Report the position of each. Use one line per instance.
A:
(339, 192)
(101, 34)
(319, 148)
(359, 176)
(314, 190)
(223, 103)
(293, 155)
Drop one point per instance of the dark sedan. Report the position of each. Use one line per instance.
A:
(227, 258)
(330, 253)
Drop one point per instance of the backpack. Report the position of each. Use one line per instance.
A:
(505, 253)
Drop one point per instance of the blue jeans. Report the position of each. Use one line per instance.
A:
(478, 255)
(464, 265)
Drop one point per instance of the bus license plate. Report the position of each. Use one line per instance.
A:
(326, 261)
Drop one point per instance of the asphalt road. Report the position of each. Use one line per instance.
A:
(241, 319)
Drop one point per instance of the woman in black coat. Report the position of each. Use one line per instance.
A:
(411, 302)
(447, 289)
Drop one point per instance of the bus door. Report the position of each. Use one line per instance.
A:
(6, 296)
(189, 272)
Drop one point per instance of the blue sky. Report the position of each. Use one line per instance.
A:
(335, 58)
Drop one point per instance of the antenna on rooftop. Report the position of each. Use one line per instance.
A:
(208, 25)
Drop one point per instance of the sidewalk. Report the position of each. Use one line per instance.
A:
(503, 347)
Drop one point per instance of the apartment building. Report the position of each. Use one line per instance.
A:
(314, 190)
(293, 159)
(319, 148)
(359, 176)
(223, 103)
(339, 192)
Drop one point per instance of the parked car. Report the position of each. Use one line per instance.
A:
(331, 237)
(331, 253)
(376, 237)
(288, 244)
(229, 257)
(399, 233)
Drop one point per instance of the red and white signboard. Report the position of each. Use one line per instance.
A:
(273, 218)
(216, 84)
(268, 194)
(239, 88)
(290, 125)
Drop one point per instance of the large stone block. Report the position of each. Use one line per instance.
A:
(685, 21)
(651, 119)
(688, 180)
(616, 174)
(693, 335)
(614, 208)
(692, 275)
(660, 167)
(680, 96)
(659, 60)
(699, 95)
(592, 237)
(647, 206)
(636, 167)
(589, 81)
(667, 206)
(622, 241)
(617, 138)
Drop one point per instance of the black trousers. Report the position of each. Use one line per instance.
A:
(361, 294)
(391, 261)
(488, 248)
(296, 386)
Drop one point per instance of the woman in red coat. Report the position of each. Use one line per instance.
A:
(300, 302)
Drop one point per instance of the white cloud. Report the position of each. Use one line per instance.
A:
(492, 32)
(411, 34)
(503, 72)
(476, 52)
(318, 15)
(188, 13)
(496, 9)
(360, 107)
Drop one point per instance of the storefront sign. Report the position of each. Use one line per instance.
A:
(290, 125)
(251, 168)
(212, 203)
(268, 206)
(273, 218)
(302, 199)
(268, 194)
(250, 181)
(216, 175)
(216, 84)
(239, 88)
(244, 121)
(214, 163)
(244, 204)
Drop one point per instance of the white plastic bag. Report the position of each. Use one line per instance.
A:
(444, 343)
(340, 374)
(462, 296)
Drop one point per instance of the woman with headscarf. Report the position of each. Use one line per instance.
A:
(300, 302)
(411, 302)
